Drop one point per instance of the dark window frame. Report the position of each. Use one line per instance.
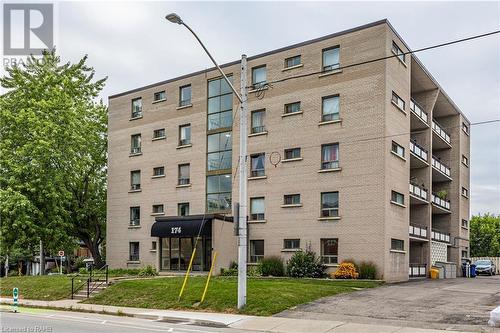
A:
(185, 180)
(293, 64)
(134, 255)
(292, 152)
(334, 116)
(185, 102)
(397, 244)
(332, 67)
(291, 243)
(157, 94)
(327, 212)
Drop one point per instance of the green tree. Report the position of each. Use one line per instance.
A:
(485, 235)
(52, 155)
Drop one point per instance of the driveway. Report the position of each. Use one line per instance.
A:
(457, 304)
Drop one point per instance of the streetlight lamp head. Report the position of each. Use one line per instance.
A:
(174, 18)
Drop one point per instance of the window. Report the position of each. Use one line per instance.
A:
(330, 156)
(292, 107)
(184, 135)
(292, 153)
(259, 76)
(220, 104)
(135, 144)
(135, 180)
(398, 149)
(397, 197)
(291, 199)
(290, 244)
(465, 253)
(330, 108)
(465, 160)
(219, 151)
(185, 95)
(329, 250)
(134, 251)
(331, 59)
(256, 250)
(219, 193)
(159, 133)
(158, 171)
(398, 101)
(137, 108)
(465, 224)
(397, 244)
(465, 128)
(159, 96)
(183, 174)
(135, 216)
(153, 246)
(292, 61)
(183, 209)
(257, 209)
(398, 52)
(258, 118)
(330, 204)
(158, 209)
(465, 192)
(258, 168)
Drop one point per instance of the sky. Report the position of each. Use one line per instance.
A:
(133, 45)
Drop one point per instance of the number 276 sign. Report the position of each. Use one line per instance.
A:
(176, 230)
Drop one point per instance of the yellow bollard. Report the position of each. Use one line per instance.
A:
(187, 274)
(208, 279)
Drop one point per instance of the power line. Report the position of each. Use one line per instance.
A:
(379, 59)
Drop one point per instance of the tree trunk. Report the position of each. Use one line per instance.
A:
(42, 259)
(94, 250)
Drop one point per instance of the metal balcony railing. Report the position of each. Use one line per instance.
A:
(418, 270)
(418, 111)
(436, 163)
(418, 191)
(445, 204)
(418, 231)
(418, 150)
(440, 236)
(440, 131)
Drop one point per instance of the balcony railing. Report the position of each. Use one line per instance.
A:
(418, 150)
(445, 204)
(439, 131)
(418, 270)
(436, 163)
(420, 232)
(418, 111)
(440, 236)
(418, 191)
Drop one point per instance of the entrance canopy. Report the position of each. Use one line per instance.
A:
(185, 226)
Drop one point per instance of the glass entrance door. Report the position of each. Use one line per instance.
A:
(176, 253)
(186, 249)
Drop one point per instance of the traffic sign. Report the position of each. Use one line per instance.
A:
(15, 294)
(61, 253)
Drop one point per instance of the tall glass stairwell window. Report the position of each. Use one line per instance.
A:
(220, 104)
(219, 149)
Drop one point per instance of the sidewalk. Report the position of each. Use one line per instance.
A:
(265, 324)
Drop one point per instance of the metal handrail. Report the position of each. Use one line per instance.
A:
(75, 290)
(97, 282)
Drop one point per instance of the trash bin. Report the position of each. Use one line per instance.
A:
(434, 273)
(472, 271)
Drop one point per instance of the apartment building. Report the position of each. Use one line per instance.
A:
(373, 161)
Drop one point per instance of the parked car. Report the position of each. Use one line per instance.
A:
(485, 266)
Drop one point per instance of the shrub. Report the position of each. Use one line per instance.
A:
(233, 264)
(271, 266)
(229, 271)
(79, 263)
(352, 261)
(147, 271)
(305, 264)
(367, 270)
(346, 270)
(254, 271)
(82, 270)
(123, 271)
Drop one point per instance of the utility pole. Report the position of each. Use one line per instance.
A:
(242, 223)
(42, 259)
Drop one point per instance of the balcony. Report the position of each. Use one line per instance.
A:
(440, 171)
(418, 195)
(418, 156)
(441, 139)
(440, 206)
(418, 232)
(419, 118)
(440, 236)
(418, 270)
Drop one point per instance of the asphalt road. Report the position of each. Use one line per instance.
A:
(49, 321)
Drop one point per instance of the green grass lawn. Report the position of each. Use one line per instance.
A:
(48, 288)
(265, 296)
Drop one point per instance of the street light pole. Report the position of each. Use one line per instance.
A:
(242, 222)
